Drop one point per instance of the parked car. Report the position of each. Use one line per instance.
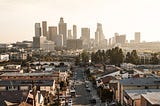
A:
(93, 101)
(88, 89)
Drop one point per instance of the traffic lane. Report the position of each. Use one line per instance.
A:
(82, 96)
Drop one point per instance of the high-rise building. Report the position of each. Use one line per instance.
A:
(70, 34)
(59, 41)
(41, 41)
(52, 33)
(120, 39)
(44, 28)
(85, 35)
(37, 29)
(74, 44)
(137, 37)
(99, 36)
(74, 32)
(63, 30)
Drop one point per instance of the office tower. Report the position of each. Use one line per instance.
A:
(70, 34)
(137, 37)
(110, 42)
(120, 39)
(74, 32)
(37, 29)
(85, 35)
(74, 44)
(63, 30)
(44, 28)
(59, 41)
(52, 33)
(99, 36)
(41, 41)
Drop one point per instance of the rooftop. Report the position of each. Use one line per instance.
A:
(153, 98)
(136, 94)
(26, 74)
(25, 83)
(140, 81)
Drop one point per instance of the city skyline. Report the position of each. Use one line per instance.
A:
(123, 17)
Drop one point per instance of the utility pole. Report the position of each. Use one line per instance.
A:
(34, 93)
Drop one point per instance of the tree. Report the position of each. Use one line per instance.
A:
(85, 56)
(128, 57)
(134, 57)
(154, 58)
(116, 56)
(105, 94)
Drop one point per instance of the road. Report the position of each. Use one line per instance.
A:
(83, 97)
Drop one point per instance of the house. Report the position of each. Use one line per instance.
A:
(19, 84)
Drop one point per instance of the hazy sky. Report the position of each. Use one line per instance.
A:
(17, 17)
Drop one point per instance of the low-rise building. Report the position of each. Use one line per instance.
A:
(150, 99)
(137, 84)
(4, 57)
(134, 97)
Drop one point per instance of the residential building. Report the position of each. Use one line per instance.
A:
(18, 85)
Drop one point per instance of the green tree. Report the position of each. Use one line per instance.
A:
(116, 56)
(128, 57)
(134, 57)
(85, 56)
(154, 58)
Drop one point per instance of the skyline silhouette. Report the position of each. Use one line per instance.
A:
(123, 17)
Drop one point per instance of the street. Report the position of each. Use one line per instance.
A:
(83, 96)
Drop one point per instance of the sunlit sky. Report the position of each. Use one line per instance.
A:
(17, 17)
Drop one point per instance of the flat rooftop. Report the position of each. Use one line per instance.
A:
(136, 94)
(26, 83)
(26, 74)
(153, 98)
(140, 81)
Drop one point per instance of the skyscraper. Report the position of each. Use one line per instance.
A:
(63, 30)
(137, 37)
(74, 32)
(85, 35)
(70, 34)
(37, 29)
(41, 41)
(99, 36)
(120, 39)
(52, 33)
(44, 28)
